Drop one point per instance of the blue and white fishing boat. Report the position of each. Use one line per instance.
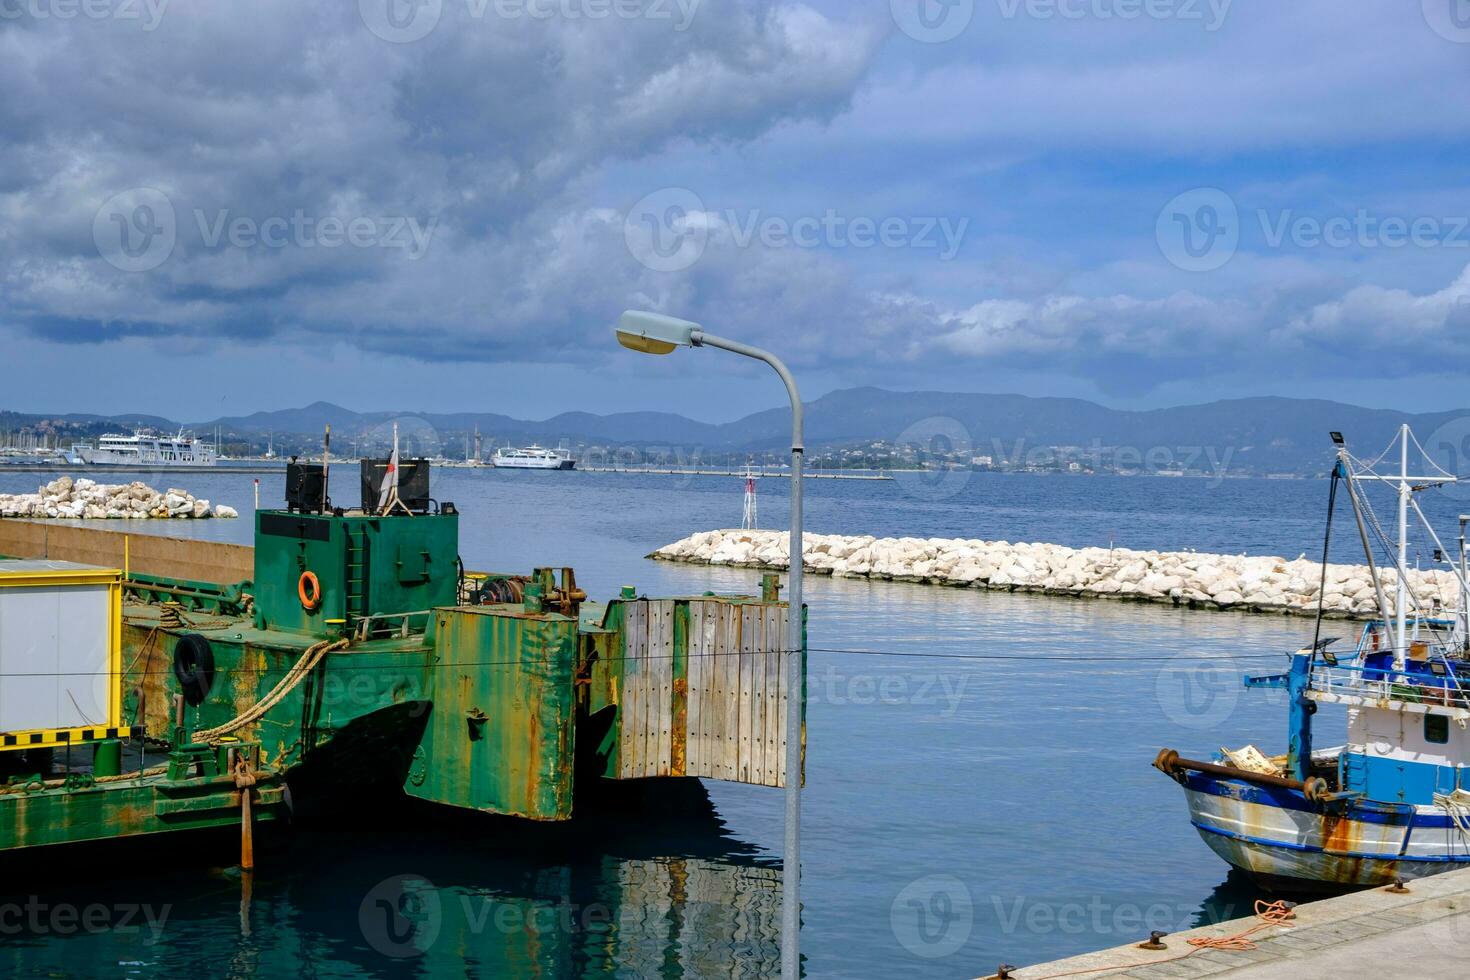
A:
(1393, 803)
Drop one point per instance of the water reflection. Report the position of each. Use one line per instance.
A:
(655, 888)
(1025, 777)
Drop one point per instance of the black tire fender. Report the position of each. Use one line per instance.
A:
(194, 667)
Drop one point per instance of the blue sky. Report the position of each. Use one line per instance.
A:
(440, 205)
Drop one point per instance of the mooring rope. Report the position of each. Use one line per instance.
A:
(287, 684)
(1457, 806)
(1270, 914)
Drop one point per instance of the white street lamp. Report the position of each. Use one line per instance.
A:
(655, 333)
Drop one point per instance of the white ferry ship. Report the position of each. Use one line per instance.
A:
(533, 457)
(144, 448)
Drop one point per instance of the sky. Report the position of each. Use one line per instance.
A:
(215, 208)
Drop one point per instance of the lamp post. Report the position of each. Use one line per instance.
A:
(654, 333)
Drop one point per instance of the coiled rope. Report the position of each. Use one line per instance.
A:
(1270, 914)
(314, 655)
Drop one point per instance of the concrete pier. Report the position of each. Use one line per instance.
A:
(1424, 934)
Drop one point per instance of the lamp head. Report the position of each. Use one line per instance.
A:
(654, 333)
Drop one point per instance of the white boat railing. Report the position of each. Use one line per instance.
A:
(1387, 684)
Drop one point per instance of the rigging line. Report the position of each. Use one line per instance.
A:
(340, 665)
(1379, 458)
(1326, 551)
(1390, 551)
(1425, 454)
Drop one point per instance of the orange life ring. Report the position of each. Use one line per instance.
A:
(310, 591)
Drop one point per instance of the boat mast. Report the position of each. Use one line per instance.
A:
(1401, 645)
(1464, 586)
(1347, 475)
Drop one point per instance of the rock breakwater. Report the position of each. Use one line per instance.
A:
(1210, 581)
(89, 500)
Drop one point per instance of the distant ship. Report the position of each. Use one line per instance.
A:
(533, 457)
(144, 448)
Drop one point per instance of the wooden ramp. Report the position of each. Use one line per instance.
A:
(704, 690)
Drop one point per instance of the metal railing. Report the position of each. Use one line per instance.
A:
(1387, 684)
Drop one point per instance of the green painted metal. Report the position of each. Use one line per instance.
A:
(83, 807)
(107, 758)
(343, 693)
(366, 566)
(501, 737)
(203, 596)
(496, 708)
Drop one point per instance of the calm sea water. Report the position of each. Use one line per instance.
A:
(958, 813)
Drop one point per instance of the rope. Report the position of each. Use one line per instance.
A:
(313, 656)
(1457, 806)
(1400, 568)
(54, 783)
(1326, 555)
(1429, 459)
(1271, 914)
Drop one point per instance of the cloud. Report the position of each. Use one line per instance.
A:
(495, 161)
(268, 130)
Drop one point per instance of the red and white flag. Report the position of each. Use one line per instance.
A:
(389, 490)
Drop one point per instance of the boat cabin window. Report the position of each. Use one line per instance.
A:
(1436, 729)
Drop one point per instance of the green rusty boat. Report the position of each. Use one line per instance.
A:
(359, 662)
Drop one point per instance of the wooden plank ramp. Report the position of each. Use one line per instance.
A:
(731, 676)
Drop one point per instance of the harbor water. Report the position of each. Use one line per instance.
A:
(978, 789)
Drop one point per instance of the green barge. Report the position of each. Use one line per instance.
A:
(361, 662)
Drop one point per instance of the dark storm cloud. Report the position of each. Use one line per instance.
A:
(282, 157)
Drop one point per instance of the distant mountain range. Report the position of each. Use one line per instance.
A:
(1260, 435)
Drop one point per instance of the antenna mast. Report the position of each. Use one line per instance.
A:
(748, 520)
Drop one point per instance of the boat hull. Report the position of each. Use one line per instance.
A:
(1288, 843)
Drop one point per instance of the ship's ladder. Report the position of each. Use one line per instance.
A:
(355, 574)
